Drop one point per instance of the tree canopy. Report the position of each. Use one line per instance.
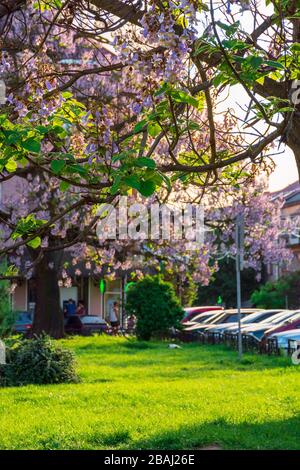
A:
(106, 99)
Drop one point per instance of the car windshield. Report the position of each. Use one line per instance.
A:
(276, 317)
(231, 318)
(192, 312)
(295, 317)
(228, 318)
(92, 319)
(283, 317)
(217, 318)
(251, 318)
(259, 317)
(201, 317)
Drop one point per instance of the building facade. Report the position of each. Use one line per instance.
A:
(290, 210)
(85, 287)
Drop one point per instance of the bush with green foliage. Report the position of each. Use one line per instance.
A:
(279, 294)
(153, 301)
(7, 316)
(37, 361)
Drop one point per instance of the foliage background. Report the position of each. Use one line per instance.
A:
(284, 293)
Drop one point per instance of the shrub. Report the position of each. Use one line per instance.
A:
(154, 303)
(37, 361)
(279, 294)
(7, 316)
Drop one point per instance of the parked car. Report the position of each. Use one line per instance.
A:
(289, 324)
(86, 325)
(23, 323)
(192, 312)
(251, 319)
(226, 316)
(202, 317)
(197, 325)
(284, 337)
(93, 324)
(258, 331)
(229, 317)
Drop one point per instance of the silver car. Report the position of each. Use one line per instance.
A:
(284, 336)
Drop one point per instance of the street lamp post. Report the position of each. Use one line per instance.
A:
(239, 239)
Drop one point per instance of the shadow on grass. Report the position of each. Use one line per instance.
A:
(113, 344)
(272, 435)
(283, 434)
(133, 353)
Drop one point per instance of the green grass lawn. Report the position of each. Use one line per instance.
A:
(145, 396)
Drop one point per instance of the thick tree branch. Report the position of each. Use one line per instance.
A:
(252, 152)
(10, 6)
(125, 11)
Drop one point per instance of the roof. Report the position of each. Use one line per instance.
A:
(288, 189)
(290, 193)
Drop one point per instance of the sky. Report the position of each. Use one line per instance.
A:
(285, 172)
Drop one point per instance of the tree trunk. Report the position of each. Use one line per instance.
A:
(48, 316)
(293, 141)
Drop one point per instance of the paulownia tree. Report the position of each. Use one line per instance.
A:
(105, 98)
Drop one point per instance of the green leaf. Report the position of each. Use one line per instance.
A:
(276, 65)
(255, 61)
(59, 130)
(116, 185)
(166, 180)
(162, 89)
(153, 176)
(12, 137)
(261, 80)
(147, 188)
(35, 243)
(11, 165)
(57, 166)
(183, 97)
(139, 126)
(66, 95)
(219, 78)
(145, 162)
(123, 155)
(64, 186)
(234, 44)
(224, 26)
(76, 168)
(230, 29)
(154, 129)
(42, 129)
(132, 182)
(295, 47)
(31, 145)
